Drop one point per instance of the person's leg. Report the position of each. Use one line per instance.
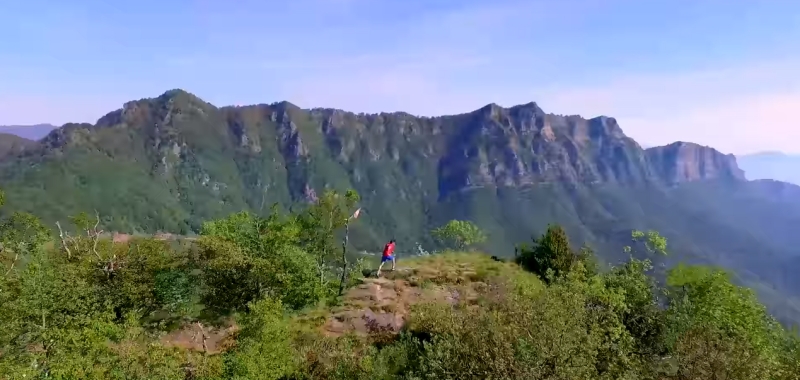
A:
(383, 261)
(394, 261)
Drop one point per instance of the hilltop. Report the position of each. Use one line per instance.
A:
(171, 162)
(257, 298)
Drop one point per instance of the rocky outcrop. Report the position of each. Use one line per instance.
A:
(202, 162)
(683, 162)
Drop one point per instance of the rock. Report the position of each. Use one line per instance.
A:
(683, 162)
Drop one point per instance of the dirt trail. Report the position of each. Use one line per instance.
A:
(384, 303)
(201, 338)
(375, 305)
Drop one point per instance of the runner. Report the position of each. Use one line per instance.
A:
(388, 254)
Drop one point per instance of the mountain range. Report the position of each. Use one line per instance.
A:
(30, 132)
(171, 162)
(771, 165)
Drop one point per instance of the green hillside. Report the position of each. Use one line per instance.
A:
(172, 162)
(264, 298)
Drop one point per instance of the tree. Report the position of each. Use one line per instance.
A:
(550, 252)
(319, 224)
(459, 234)
(20, 235)
(264, 348)
(709, 314)
(654, 244)
(248, 258)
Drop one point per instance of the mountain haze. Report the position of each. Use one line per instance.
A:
(772, 165)
(29, 132)
(171, 162)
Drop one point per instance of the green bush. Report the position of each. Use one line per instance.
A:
(90, 309)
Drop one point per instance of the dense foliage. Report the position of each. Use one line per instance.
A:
(459, 234)
(87, 308)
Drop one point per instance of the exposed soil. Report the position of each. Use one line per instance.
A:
(383, 304)
(376, 305)
(198, 337)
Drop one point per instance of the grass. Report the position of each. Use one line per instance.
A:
(452, 268)
(445, 277)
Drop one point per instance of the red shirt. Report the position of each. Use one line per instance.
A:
(388, 249)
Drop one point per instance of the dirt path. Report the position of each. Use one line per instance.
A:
(383, 304)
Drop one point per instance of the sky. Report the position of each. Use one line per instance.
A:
(719, 73)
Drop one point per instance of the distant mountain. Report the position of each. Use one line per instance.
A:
(30, 132)
(13, 145)
(771, 165)
(681, 162)
(169, 163)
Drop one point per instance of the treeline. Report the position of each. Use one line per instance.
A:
(75, 306)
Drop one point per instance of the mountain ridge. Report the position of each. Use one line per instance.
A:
(30, 132)
(172, 162)
(490, 146)
(772, 165)
(490, 110)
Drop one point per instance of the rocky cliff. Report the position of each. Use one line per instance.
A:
(683, 162)
(172, 162)
(199, 161)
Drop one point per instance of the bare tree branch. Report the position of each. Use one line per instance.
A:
(97, 215)
(63, 240)
(16, 257)
(203, 336)
(95, 235)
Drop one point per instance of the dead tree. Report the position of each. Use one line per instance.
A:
(14, 262)
(93, 233)
(66, 240)
(203, 336)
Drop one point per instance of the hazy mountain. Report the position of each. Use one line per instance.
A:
(771, 165)
(171, 162)
(13, 144)
(30, 132)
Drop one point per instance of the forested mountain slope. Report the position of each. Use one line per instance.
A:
(171, 162)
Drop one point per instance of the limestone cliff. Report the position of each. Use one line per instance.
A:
(684, 162)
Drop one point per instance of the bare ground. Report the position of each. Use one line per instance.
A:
(375, 304)
(384, 303)
(198, 337)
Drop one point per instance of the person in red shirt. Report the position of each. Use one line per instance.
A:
(388, 254)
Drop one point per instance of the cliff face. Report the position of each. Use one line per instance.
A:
(684, 162)
(192, 161)
(172, 162)
(522, 145)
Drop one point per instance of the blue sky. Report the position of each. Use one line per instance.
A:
(719, 73)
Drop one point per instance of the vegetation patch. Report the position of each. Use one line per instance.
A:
(278, 298)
